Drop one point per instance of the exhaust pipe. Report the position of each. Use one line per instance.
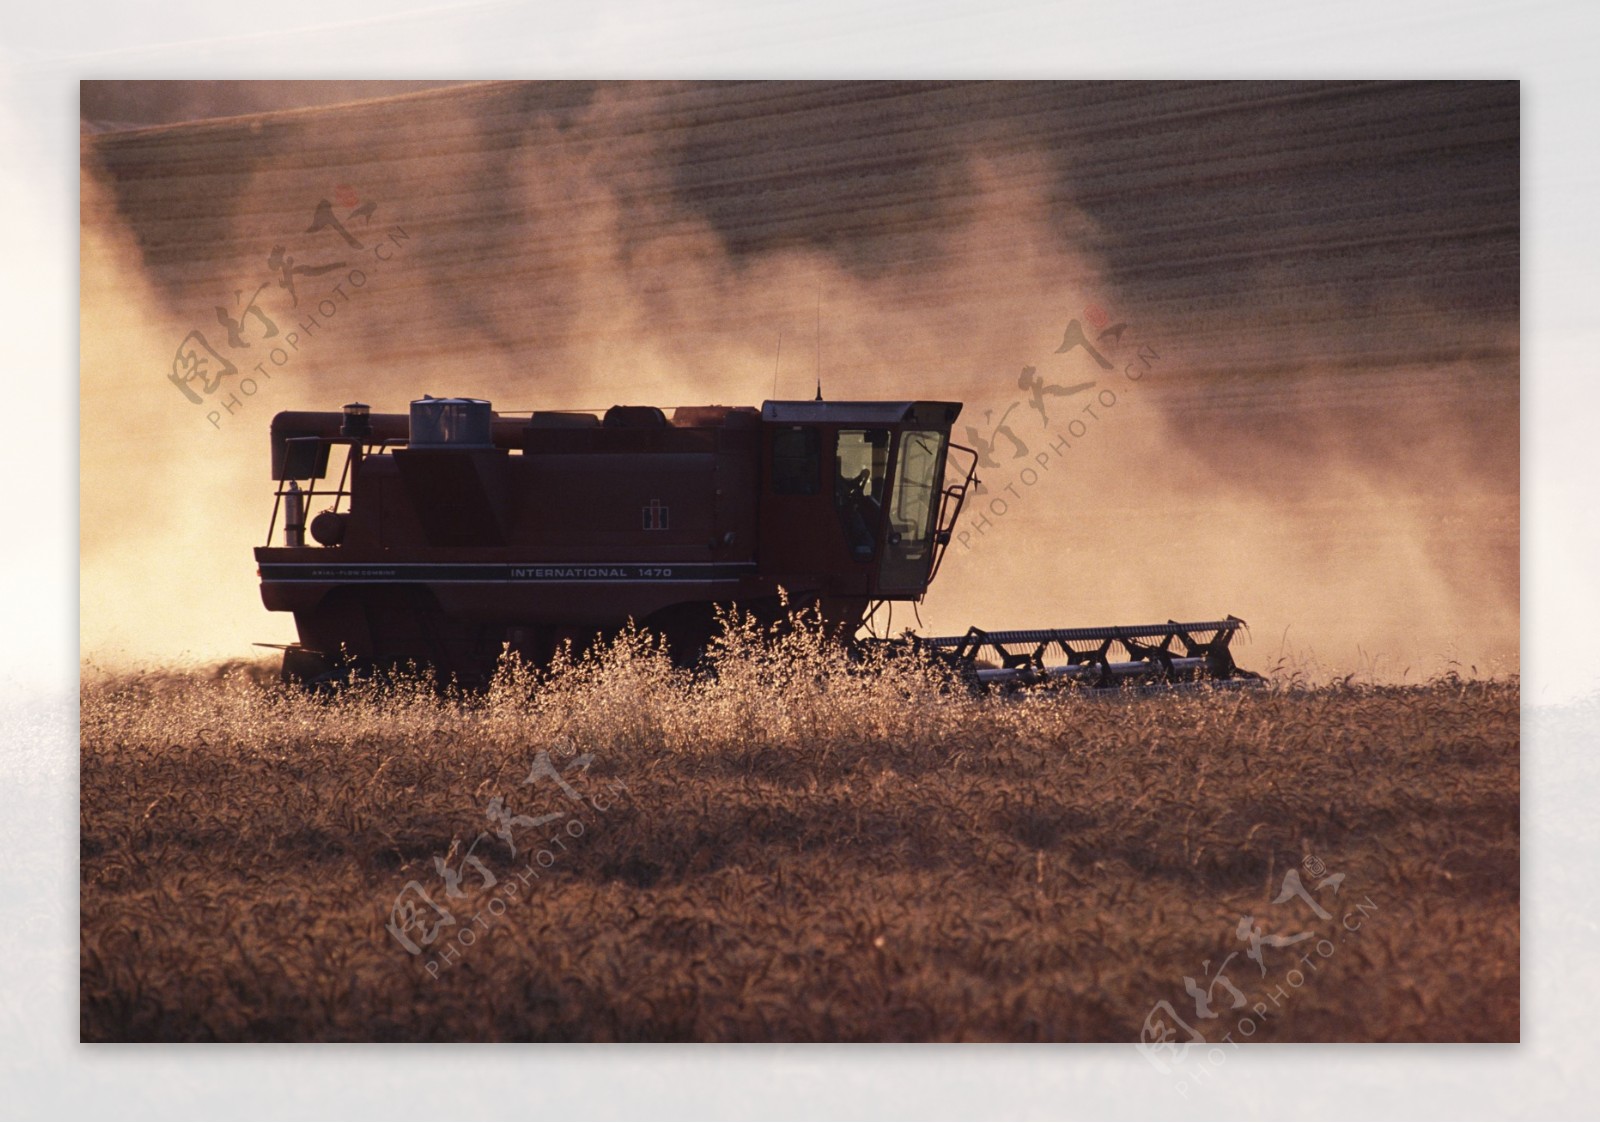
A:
(294, 516)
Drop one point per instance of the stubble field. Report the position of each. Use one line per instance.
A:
(796, 850)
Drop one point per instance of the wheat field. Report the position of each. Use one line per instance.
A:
(796, 848)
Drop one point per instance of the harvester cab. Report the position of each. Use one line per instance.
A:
(858, 490)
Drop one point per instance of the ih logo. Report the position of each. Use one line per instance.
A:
(656, 516)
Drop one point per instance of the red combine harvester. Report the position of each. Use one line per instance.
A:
(456, 531)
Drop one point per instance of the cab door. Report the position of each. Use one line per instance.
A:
(913, 508)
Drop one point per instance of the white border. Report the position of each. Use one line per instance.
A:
(44, 1072)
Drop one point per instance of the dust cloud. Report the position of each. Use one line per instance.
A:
(576, 246)
(167, 513)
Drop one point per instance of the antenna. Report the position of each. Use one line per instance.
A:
(776, 360)
(819, 343)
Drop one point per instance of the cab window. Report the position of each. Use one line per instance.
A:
(860, 464)
(796, 460)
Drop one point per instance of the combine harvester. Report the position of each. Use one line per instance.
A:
(456, 531)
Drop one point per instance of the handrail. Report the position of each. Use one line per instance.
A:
(958, 493)
(358, 448)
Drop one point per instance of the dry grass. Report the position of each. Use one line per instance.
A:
(792, 851)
